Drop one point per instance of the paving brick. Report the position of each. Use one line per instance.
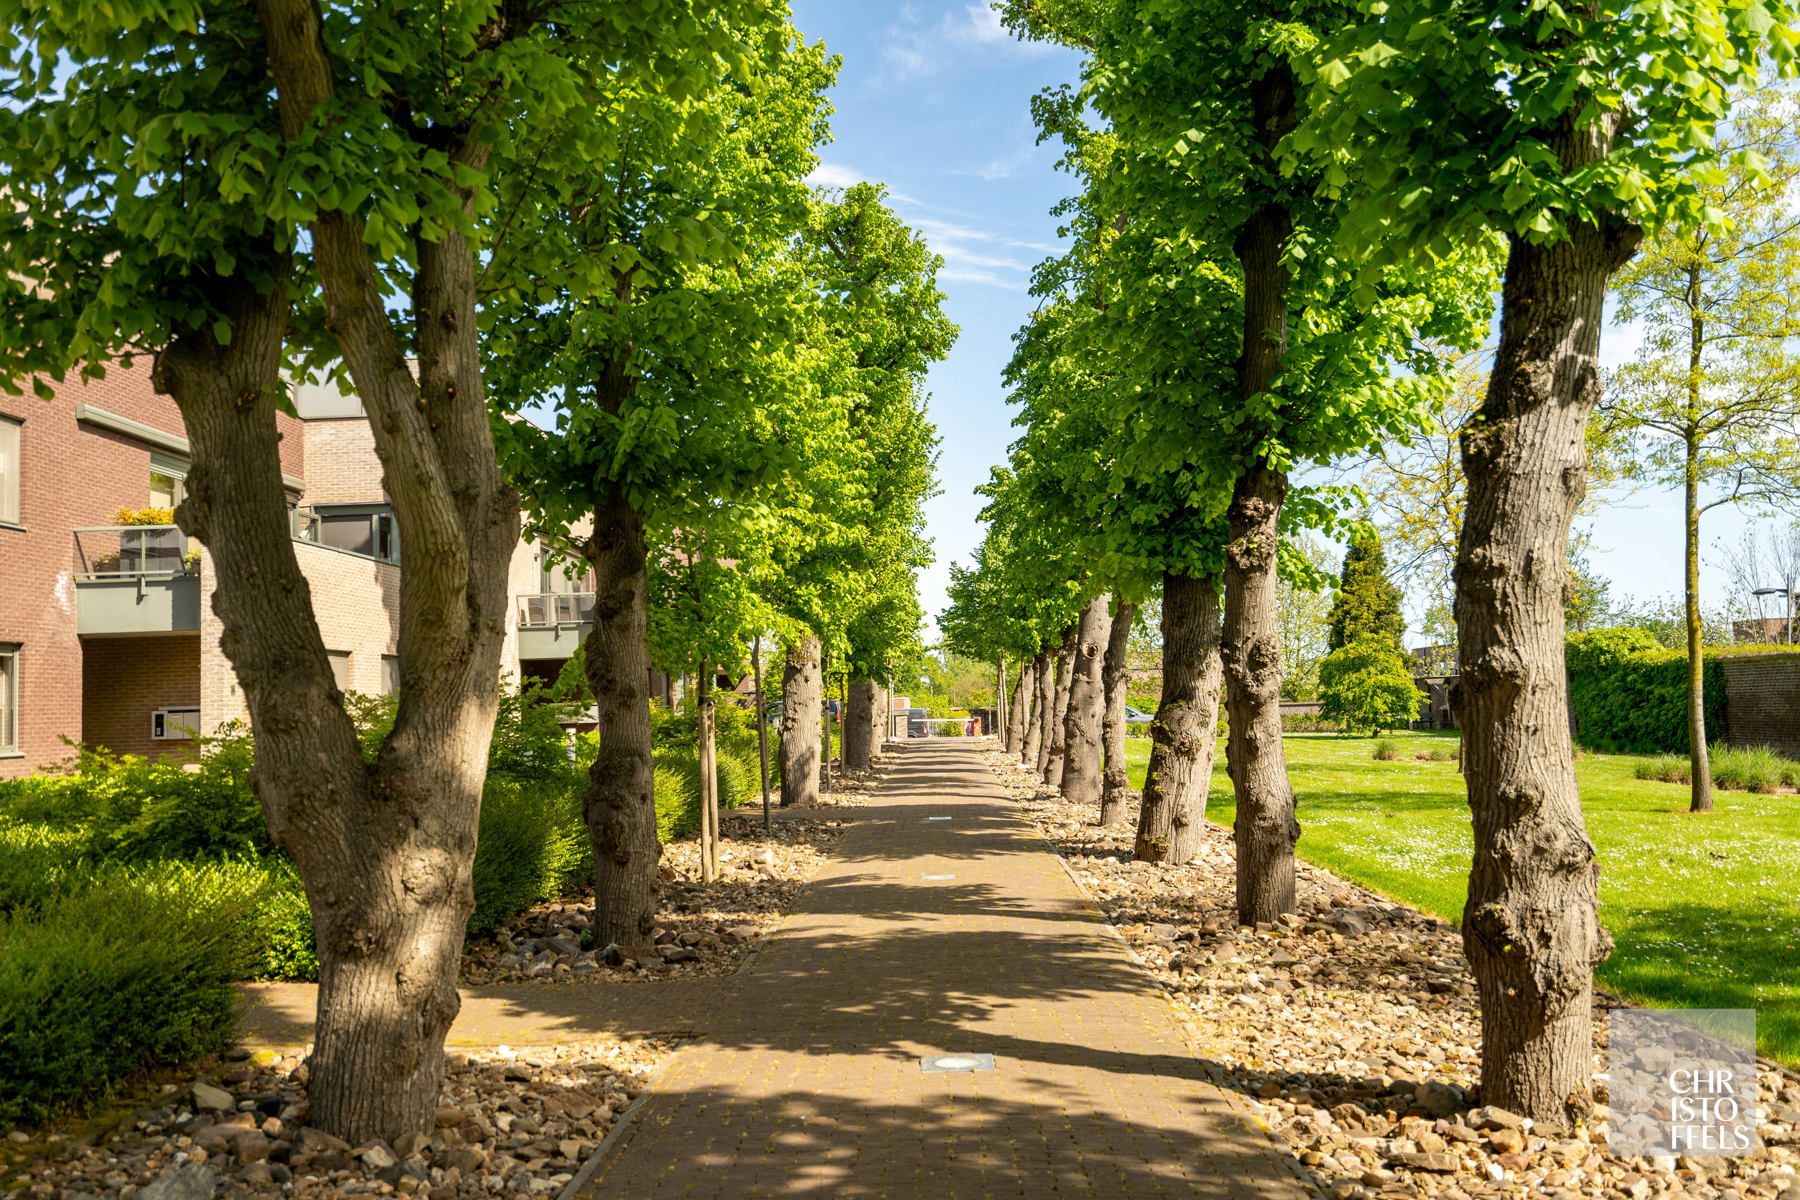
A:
(809, 1080)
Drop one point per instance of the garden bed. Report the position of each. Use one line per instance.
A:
(1352, 1030)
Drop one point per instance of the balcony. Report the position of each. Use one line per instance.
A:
(132, 579)
(553, 624)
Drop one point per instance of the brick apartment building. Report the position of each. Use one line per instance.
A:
(107, 632)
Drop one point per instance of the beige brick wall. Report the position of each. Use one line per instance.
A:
(356, 602)
(125, 679)
(341, 467)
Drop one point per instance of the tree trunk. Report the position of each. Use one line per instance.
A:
(1046, 711)
(385, 851)
(1250, 652)
(1056, 720)
(1082, 764)
(1531, 927)
(1700, 784)
(859, 726)
(1116, 793)
(1186, 728)
(1032, 744)
(709, 780)
(878, 722)
(1250, 649)
(620, 806)
(825, 723)
(389, 946)
(1018, 711)
(762, 728)
(800, 734)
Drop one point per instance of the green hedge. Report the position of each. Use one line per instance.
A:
(133, 892)
(1630, 695)
(100, 983)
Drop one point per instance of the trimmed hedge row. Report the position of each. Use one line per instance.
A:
(1629, 694)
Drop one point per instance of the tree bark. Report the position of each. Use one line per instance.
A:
(1700, 784)
(1185, 732)
(1531, 926)
(1265, 830)
(386, 862)
(1018, 711)
(859, 726)
(800, 734)
(1055, 720)
(620, 806)
(1082, 763)
(709, 780)
(1116, 793)
(1032, 746)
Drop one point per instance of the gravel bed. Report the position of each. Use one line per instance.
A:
(702, 929)
(510, 1123)
(1351, 1028)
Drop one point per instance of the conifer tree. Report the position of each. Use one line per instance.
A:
(1367, 602)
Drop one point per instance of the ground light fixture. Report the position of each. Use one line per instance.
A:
(936, 1064)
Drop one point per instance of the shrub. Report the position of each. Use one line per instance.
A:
(1386, 750)
(1665, 768)
(533, 845)
(280, 928)
(1436, 755)
(1306, 722)
(1755, 769)
(1368, 686)
(132, 809)
(130, 972)
(677, 796)
(1734, 768)
(39, 863)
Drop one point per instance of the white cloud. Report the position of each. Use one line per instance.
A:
(917, 48)
(834, 175)
(971, 254)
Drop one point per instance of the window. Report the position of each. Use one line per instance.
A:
(9, 473)
(363, 529)
(9, 699)
(390, 675)
(561, 576)
(168, 481)
(340, 668)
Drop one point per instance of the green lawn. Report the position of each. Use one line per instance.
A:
(1705, 910)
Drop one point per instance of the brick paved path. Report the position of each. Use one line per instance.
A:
(925, 936)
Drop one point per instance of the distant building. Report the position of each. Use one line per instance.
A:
(1761, 631)
(107, 631)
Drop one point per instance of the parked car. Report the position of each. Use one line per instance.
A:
(918, 722)
(1137, 716)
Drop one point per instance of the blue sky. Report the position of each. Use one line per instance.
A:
(933, 99)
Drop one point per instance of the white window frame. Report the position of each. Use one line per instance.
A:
(9, 702)
(12, 499)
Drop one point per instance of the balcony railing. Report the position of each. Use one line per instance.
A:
(134, 552)
(547, 610)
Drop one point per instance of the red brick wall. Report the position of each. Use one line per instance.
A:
(1762, 701)
(73, 475)
(124, 679)
(70, 475)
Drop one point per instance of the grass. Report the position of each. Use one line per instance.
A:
(1703, 909)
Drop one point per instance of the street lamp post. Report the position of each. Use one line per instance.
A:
(1789, 594)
